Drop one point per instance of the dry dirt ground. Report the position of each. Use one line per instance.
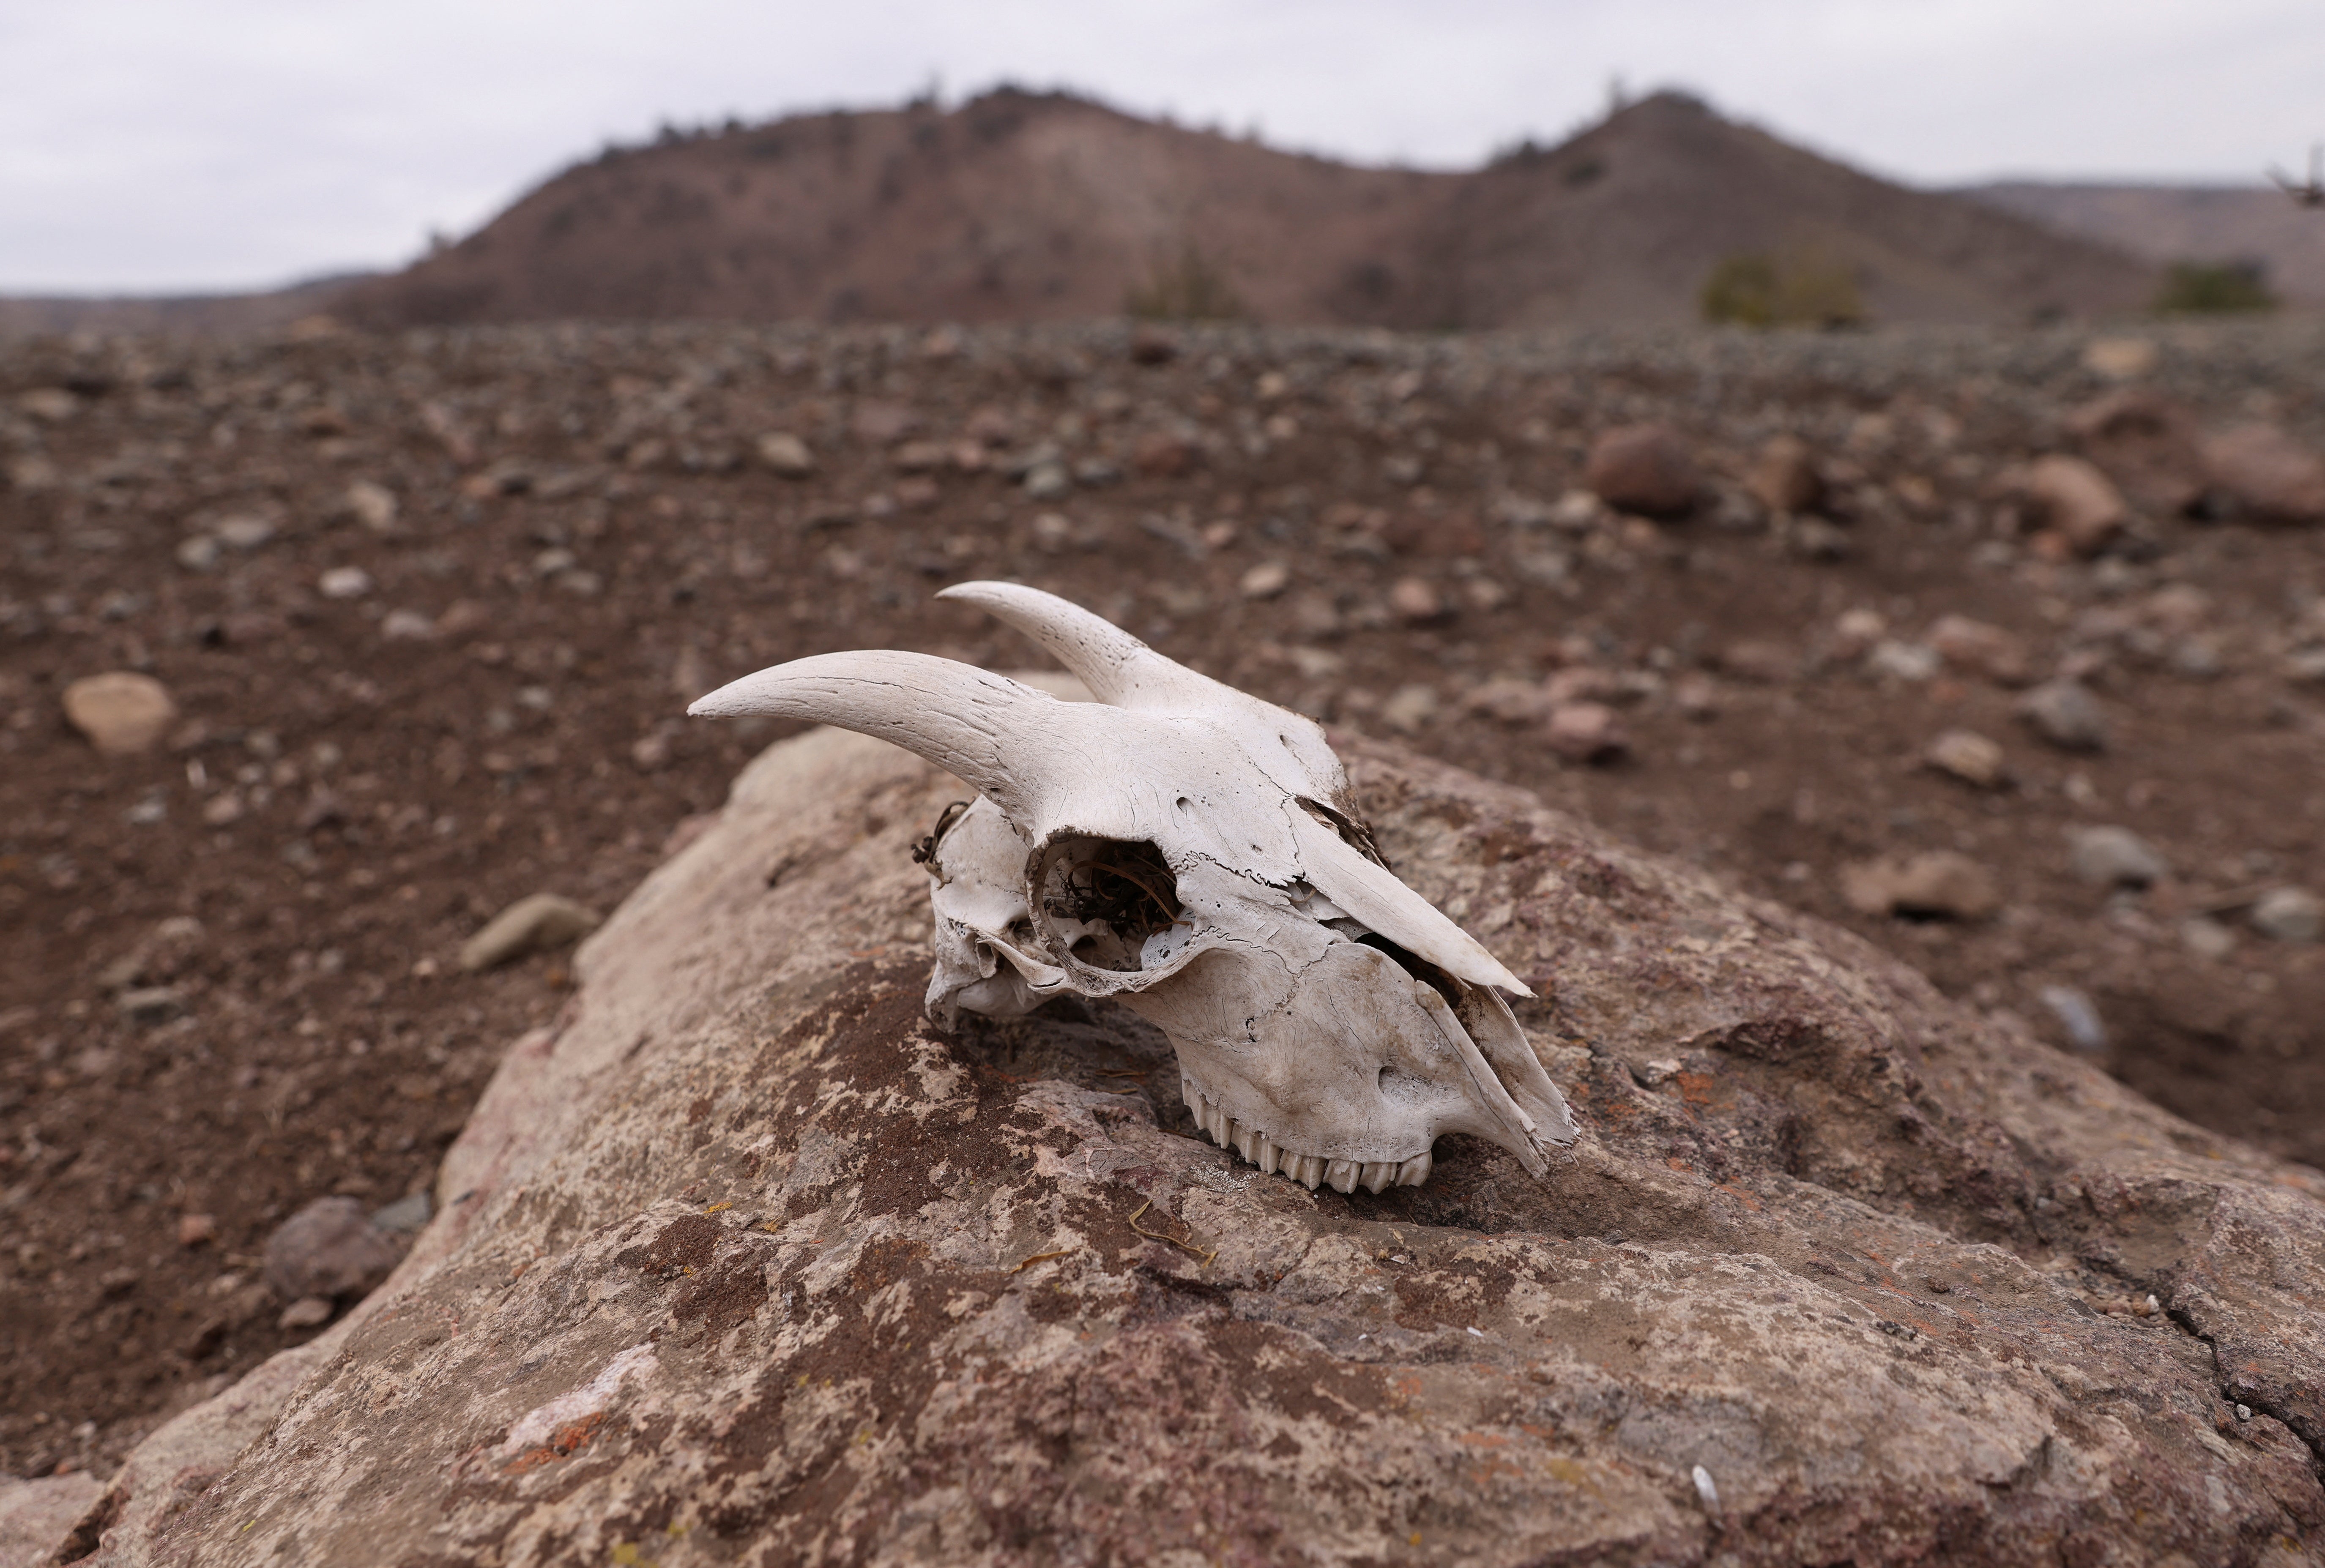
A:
(430, 609)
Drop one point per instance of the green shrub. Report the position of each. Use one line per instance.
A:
(1189, 289)
(2211, 288)
(1762, 290)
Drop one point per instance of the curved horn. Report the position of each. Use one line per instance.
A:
(1123, 672)
(1372, 893)
(994, 734)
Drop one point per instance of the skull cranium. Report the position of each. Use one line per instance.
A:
(1197, 853)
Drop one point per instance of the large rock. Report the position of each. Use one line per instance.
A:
(2268, 473)
(745, 1260)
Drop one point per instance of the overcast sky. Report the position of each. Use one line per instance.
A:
(181, 144)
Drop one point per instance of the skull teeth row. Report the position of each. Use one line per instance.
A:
(1313, 1170)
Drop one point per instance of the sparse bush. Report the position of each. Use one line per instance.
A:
(1762, 290)
(1189, 289)
(2213, 288)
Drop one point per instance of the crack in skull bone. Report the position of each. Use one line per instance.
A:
(1330, 1022)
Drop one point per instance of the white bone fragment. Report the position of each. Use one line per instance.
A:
(1198, 854)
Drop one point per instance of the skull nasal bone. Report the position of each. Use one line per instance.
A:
(1420, 968)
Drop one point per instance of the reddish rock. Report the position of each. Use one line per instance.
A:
(2147, 443)
(1981, 649)
(1644, 469)
(1937, 883)
(2076, 500)
(1585, 732)
(1785, 477)
(1415, 601)
(2267, 472)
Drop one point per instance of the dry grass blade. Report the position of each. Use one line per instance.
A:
(1189, 1248)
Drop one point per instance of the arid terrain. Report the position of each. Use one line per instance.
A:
(429, 607)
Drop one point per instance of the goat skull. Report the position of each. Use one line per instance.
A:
(1197, 853)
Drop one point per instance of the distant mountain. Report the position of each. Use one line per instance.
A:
(2183, 223)
(1025, 207)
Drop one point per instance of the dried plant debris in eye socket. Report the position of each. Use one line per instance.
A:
(1126, 887)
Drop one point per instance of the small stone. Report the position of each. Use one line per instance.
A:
(150, 1004)
(2206, 937)
(406, 626)
(52, 404)
(345, 583)
(2077, 1016)
(531, 925)
(1265, 580)
(1968, 756)
(1909, 662)
(2073, 497)
(373, 504)
(1786, 476)
(244, 531)
(1981, 649)
(307, 1312)
(1764, 663)
(329, 1249)
(1415, 600)
(1644, 469)
(197, 1230)
(786, 454)
(1410, 708)
(2114, 857)
(199, 552)
(2065, 713)
(1507, 697)
(1585, 732)
(1576, 512)
(1153, 346)
(2268, 473)
(2288, 915)
(1934, 883)
(1857, 632)
(2119, 358)
(121, 712)
(1048, 482)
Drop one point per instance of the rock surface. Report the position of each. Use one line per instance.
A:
(742, 1259)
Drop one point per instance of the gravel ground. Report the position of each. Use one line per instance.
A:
(426, 612)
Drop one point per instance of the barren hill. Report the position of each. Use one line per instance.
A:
(2183, 223)
(1022, 207)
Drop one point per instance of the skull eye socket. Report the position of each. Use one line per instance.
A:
(1102, 899)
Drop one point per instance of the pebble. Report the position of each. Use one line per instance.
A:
(330, 1249)
(2078, 501)
(199, 552)
(531, 925)
(786, 454)
(2077, 1016)
(373, 504)
(2114, 857)
(407, 626)
(1265, 580)
(1909, 662)
(150, 1004)
(1645, 469)
(1507, 697)
(1786, 476)
(2065, 713)
(2119, 358)
(1410, 708)
(1981, 649)
(244, 531)
(1939, 882)
(1857, 632)
(2207, 937)
(121, 712)
(345, 583)
(1414, 600)
(1968, 756)
(2268, 473)
(307, 1312)
(197, 1230)
(1585, 732)
(1047, 482)
(2288, 915)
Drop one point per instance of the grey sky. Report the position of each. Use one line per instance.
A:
(150, 144)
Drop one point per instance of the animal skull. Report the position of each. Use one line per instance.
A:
(1197, 853)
